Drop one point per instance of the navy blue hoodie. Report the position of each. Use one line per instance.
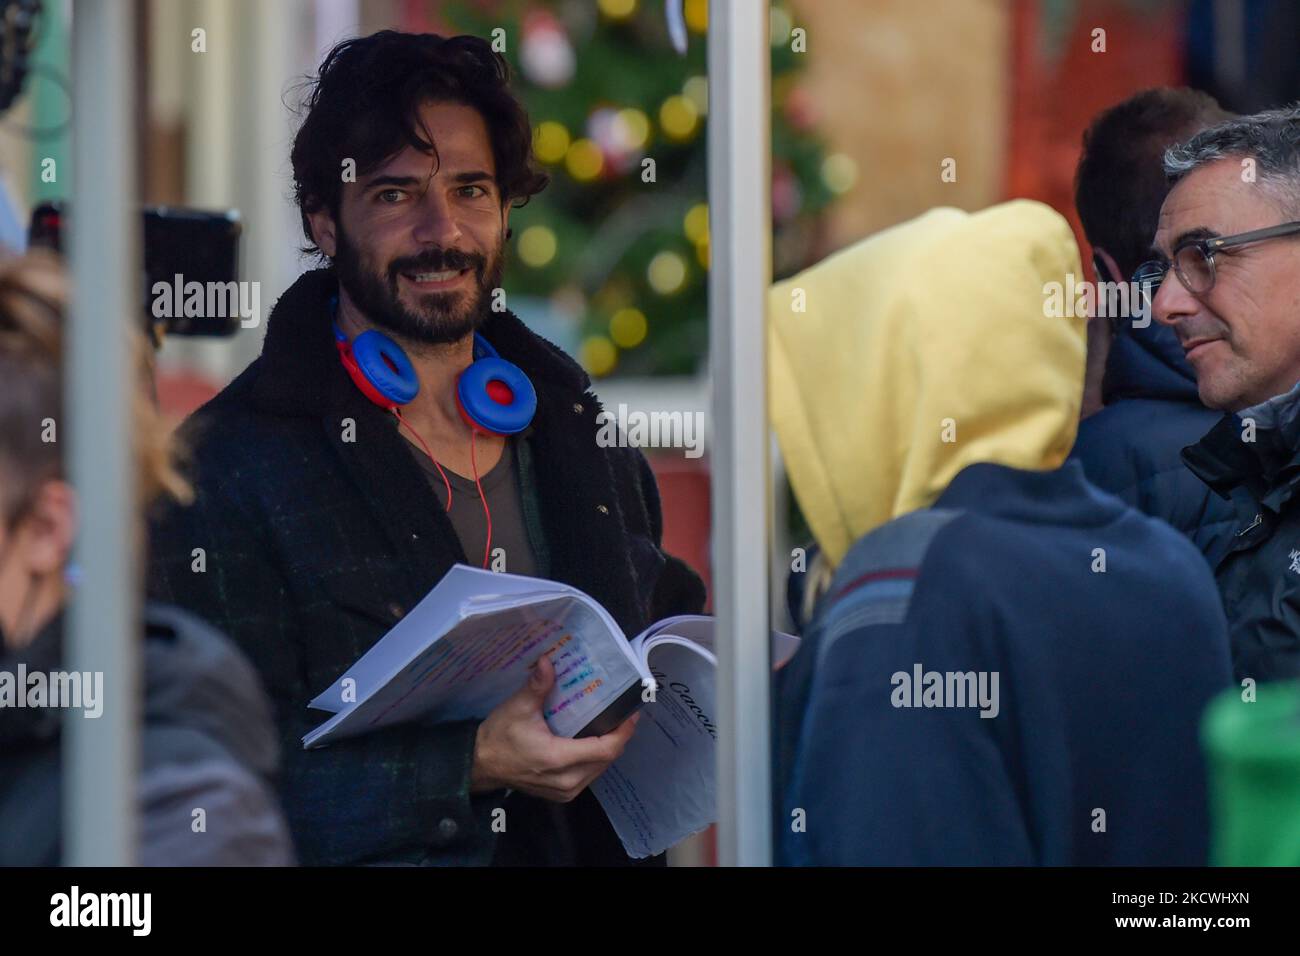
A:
(1104, 632)
(1132, 447)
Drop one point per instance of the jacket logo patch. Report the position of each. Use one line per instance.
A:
(1295, 561)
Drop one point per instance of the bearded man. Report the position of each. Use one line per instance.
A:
(329, 501)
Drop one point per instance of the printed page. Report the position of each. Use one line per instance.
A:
(662, 789)
(695, 627)
(485, 658)
(699, 629)
(436, 613)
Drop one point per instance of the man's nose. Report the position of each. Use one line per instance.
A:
(436, 222)
(1172, 300)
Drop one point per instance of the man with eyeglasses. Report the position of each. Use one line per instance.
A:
(1229, 233)
(1149, 408)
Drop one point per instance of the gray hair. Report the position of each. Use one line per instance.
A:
(1271, 139)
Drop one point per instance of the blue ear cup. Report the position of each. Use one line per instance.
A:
(385, 366)
(495, 395)
(492, 395)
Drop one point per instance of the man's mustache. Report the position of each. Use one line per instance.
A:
(437, 260)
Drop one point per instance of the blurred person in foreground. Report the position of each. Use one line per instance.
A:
(1008, 664)
(1132, 446)
(1226, 269)
(207, 740)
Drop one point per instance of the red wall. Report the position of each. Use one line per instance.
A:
(1053, 100)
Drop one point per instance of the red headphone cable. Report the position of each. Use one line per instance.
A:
(445, 482)
(478, 483)
(487, 545)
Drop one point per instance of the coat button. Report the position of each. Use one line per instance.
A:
(577, 408)
(447, 828)
(602, 509)
(395, 609)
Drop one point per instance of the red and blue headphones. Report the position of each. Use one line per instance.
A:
(494, 396)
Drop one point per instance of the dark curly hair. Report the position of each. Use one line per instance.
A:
(363, 104)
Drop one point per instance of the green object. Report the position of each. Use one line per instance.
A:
(49, 90)
(1254, 762)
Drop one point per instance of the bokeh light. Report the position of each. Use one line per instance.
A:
(537, 245)
(598, 355)
(678, 117)
(550, 142)
(696, 223)
(628, 327)
(839, 172)
(584, 160)
(666, 272)
(697, 15)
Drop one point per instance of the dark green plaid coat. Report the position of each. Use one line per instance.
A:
(314, 546)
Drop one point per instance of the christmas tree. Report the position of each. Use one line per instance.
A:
(619, 242)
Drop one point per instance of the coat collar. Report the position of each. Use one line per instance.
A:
(1061, 495)
(301, 374)
(582, 497)
(1257, 449)
(1148, 362)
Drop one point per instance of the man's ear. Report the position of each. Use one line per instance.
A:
(323, 231)
(505, 221)
(1106, 266)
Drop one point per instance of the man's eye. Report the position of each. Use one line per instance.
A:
(473, 195)
(390, 195)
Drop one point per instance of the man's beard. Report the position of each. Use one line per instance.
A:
(439, 317)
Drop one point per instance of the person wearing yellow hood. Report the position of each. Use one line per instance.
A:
(1008, 665)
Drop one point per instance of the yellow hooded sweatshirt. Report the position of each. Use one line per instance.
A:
(898, 361)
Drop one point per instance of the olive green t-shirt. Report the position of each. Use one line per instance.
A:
(510, 549)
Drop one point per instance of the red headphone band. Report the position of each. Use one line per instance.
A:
(359, 378)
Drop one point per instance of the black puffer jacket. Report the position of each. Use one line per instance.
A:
(1131, 447)
(208, 744)
(1253, 457)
